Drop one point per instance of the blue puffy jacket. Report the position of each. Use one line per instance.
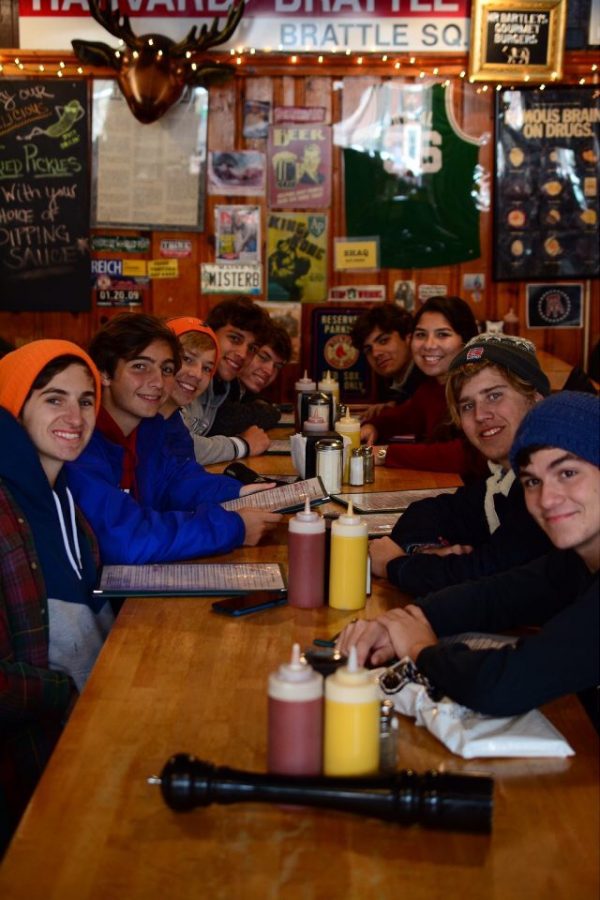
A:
(177, 515)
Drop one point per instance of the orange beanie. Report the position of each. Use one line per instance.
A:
(20, 368)
(182, 324)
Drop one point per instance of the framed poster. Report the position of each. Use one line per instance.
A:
(546, 207)
(148, 176)
(300, 166)
(332, 350)
(44, 195)
(237, 234)
(512, 39)
(297, 256)
(554, 305)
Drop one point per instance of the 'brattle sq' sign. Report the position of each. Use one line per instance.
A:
(386, 26)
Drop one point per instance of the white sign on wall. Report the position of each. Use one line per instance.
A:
(385, 26)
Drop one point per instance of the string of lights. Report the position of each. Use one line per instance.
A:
(579, 68)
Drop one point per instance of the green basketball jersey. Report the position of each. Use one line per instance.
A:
(411, 176)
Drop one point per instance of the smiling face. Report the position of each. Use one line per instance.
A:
(387, 352)
(434, 344)
(139, 386)
(562, 493)
(194, 376)
(60, 417)
(261, 369)
(490, 411)
(236, 346)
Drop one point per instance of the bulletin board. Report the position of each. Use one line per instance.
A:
(148, 176)
(44, 196)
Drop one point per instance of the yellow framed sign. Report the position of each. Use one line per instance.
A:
(517, 40)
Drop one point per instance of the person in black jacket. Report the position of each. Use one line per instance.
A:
(556, 454)
(484, 527)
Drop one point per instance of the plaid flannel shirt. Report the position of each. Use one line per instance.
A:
(34, 700)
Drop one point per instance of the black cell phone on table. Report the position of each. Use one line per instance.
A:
(245, 604)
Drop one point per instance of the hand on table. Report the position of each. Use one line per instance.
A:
(369, 636)
(409, 632)
(257, 523)
(368, 434)
(399, 632)
(257, 439)
(381, 551)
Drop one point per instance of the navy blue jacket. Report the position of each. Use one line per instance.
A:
(178, 514)
(459, 518)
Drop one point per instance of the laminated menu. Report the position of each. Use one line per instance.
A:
(284, 499)
(387, 501)
(189, 579)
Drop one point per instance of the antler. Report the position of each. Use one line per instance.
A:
(115, 23)
(210, 36)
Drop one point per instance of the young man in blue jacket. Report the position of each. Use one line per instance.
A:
(143, 503)
(484, 527)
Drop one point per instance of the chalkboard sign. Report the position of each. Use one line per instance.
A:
(44, 196)
(517, 39)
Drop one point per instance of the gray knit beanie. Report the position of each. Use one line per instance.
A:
(514, 353)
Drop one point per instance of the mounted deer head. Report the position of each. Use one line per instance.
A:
(152, 70)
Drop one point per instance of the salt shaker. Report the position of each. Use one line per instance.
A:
(357, 475)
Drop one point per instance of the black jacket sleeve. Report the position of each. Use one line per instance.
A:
(512, 544)
(555, 592)
(235, 416)
(458, 518)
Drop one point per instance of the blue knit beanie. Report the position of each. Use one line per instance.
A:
(569, 420)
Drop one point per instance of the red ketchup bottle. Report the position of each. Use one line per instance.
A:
(306, 559)
(295, 742)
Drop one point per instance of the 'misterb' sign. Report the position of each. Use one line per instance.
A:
(386, 26)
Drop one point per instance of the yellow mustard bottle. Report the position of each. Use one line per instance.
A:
(352, 705)
(348, 426)
(348, 565)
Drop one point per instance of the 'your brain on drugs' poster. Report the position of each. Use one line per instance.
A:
(547, 209)
(297, 256)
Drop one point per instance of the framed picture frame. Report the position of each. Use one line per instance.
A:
(547, 184)
(148, 176)
(517, 40)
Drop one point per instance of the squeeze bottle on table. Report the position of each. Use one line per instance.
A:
(330, 385)
(306, 559)
(349, 555)
(295, 740)
(304, 385)
(348, 426)
(351, 721)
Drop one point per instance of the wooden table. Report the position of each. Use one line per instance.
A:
(173, 676)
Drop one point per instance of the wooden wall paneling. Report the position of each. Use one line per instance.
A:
(259, 88)
(177, 296)
(338, 89)
(222, 135)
